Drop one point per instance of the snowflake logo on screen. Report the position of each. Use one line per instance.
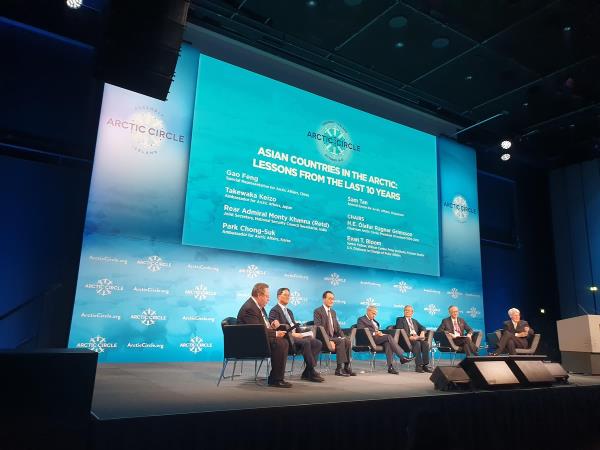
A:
(460, 208)
(335, 141)
(196, 344)
(200, 292)
(473, 312)
(369, 302)
(334, 279)
(97, 344)
(148, 317)
(252, 271)
(145, 133)
(431, 309)
(154, 263)
(296, 298)
(403, 287)
(104, 287)
(454, 293)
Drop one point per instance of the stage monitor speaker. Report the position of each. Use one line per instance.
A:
(142, 43)
(489, 372)
(46, 398)
(530, 372)
(558, 372)
(446, 378)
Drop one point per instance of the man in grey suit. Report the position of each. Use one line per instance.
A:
(307, 345)
(455, 326)
(416, 335)
(514, 334)
(326, 317)
(390, 346)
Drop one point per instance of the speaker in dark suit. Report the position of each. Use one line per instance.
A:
(390, 346)
(457, 326)
(326, 317)
(307, 345)
(253, 312)
(416, 335)
(514, 333)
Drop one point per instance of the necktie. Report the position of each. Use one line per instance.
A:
(287, 316)
(456, 327)
(264, 315)
(411, 326)
(329, 323)
(375, 325)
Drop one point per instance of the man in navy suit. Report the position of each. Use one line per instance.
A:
(514, 334)
(307, 345)
(390, 346)
(416, 335)
(253, 312)
(326, 317)
(455, 326)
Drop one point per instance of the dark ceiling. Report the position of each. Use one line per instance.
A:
(531, 66)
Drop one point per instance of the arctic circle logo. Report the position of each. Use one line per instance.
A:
(333, 141)
(460, 208)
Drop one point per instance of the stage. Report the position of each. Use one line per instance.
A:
(180, 406)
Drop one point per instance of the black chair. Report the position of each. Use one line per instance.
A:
(406, 343)
(446, 344)
(364, 342)
(327, 348)
(242, 342)
(534, 342)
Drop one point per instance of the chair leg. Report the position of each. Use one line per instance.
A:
(453, 358)
(292, 368)
(222, 371)
(234, 366)
(372, 362)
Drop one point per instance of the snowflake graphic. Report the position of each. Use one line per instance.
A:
(454, 293)
(432, 309)
(252, 271)
(148, 317)
(200, 292)
(146, 141)
(104, 287)
(369, 302)
(154, 263)
(473, 312)
(296, 298)
(196, 344)
(403, 287)
(334, 279)
(97, 344)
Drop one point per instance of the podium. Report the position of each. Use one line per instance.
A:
(579, 344)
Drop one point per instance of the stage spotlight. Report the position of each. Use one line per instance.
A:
(311, 3)
(594, 288)
(542, 310)
(505, 144)
(505, 156)
(74, 4)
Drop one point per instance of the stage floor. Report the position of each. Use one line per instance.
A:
(143, 390)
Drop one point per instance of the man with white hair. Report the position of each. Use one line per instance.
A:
(514, 334)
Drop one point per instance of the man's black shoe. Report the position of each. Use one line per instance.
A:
(348, 370)
(312, 376)
(427, 369)
(280, 384)
(341, 373)
(419, 369)
(392, 370)
(404, 360)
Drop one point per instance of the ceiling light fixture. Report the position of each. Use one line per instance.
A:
(74, 4)
(505, 157)
(505, 144)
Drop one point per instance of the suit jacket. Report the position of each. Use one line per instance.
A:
(510, 328)
(320, 317)
(402, 324)
(365, 322)
(447, 326)
(276, 313)
(250, 314)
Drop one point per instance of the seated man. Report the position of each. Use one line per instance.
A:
(387, 341)
(416, 335)
(326, 317)
(253, 312)
(308, 345)
(455, 326)
(514, 334)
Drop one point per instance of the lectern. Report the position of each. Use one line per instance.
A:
(579, 343)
